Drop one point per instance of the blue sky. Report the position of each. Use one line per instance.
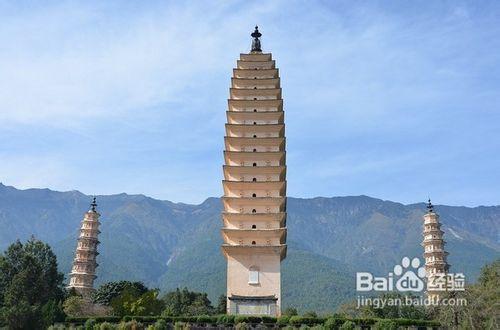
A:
(393, 99)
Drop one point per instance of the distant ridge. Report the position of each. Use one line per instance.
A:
(330, 238)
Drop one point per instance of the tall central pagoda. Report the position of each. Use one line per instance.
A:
(254, 215)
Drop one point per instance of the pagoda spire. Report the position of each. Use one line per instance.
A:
(430, 207)
(82, 274)
(256, 41)
(93, 205)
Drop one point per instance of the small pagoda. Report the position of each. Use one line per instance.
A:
(82, 274)
(436, 265)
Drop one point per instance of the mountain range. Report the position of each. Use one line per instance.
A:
(169, 245)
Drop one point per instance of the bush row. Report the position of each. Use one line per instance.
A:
(295, 321)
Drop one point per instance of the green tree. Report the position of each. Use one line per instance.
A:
(185, 302)
(348, 325)
(90, 324)
(349, 310)
(53, 312)
(77, 306)
(147, 304)
(290, 311)
(29, 279)
(310, 314)
(161, 324)
(121, 303)
(108, 291)
(481, 310)
(19, 310)
(221, 305)
(129, 302)
(72, 292)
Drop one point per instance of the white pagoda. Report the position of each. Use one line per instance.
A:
(82, 274)
(254, 214)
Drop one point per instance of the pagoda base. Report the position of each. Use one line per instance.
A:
(252, 305)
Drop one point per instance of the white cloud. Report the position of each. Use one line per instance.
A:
(68, 62)
(137, 90)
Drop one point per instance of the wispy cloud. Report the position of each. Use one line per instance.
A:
(135, 93)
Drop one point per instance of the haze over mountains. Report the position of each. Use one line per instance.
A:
(168, 245)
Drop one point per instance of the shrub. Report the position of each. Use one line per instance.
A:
(54, 327)
(226, 319)
(268, 319)
(131, 325)
(240, 319)
(146, 318)
(167, 319)
(283, 320)
(106, 326)
(108, 319)
(254, 319)
(333, 322)
(241, 326)
(364, 321)
(347, 325)
(421, 323)
(222, 319)
(185, 319)
(247, 319)
(214, 319)
(297, 321)
(138, 318)
(77, 320)
(290, 311)
(310, 314)
(203, 319)
(316, 327)
(386, 325)
(181, 325)
(161, 324)
(89, 324)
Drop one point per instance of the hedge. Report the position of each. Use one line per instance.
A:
(98, 319)
(207, 319)
(334, 322)
(283, 320)
(161, 324)
(230, 320)
(142, 319)
(225, 319)
(247, 319)
(269, 319)
(386, 325)
(305, 320)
